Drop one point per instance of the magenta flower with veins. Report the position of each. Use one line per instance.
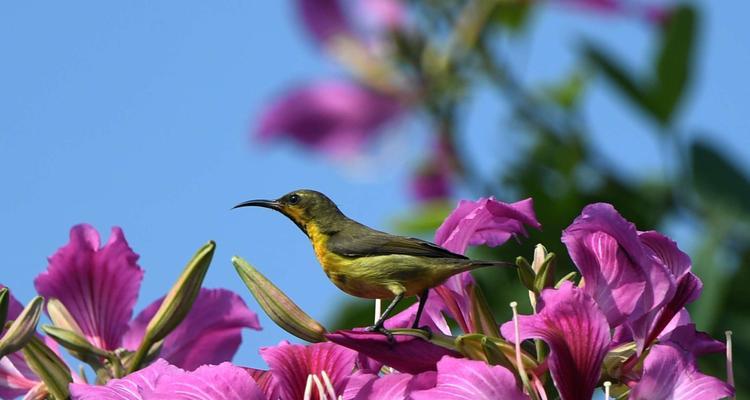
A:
(161, 380)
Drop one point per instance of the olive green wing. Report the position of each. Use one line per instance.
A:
(362, 243)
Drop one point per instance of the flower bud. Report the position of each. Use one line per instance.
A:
(61, 317)
(23, 328)
(280, 308)
(49, 367)
(544, 267)
(77, 344)
(177, 303)
(4, 302)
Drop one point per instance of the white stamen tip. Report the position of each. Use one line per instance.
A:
(607, 384)
(513, 304)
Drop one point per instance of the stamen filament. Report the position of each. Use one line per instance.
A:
(328, 384)
(519, 361)
(308, 388)
(730, 368)
(378, 307)
(607, 384)
(321, 391)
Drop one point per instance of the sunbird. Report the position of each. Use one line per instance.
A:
(365, 262)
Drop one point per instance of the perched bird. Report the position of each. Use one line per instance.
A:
(367, 263)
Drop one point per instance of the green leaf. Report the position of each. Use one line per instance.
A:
(513, 15)
(718, 181)
(622, 79)
(674, 61)
(569, 91)
(424, 220)
(279, 307)
(4, 303)
(49, 367)
(23, 328)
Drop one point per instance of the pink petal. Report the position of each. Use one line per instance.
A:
(161, 380)
(623, 275)
(384, 14)
(292, 363)
(395, 386)
(336, 117)
(486, 221)
(265, 381)
(469, 379)
(578, 336)
(408, 354)
(670, 373)
(324, 19)
(99, 286)
(209, 382)
(131, 387)
(16, 378)
(210, 334)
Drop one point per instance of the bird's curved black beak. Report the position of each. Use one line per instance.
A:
(272, 204)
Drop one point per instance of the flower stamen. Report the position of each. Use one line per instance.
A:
(730, 368)
(319, 385)
(328, 384)
(519, 361)
(607, 385)
(308, 388)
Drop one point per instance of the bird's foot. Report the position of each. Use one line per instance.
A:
(381, 329)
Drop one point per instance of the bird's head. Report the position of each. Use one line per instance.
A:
(303, 207)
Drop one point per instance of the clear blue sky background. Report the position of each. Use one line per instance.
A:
(137, 114)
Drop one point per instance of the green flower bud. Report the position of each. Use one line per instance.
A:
(177, 303)
(23, 328)
(49, 367)
(280, 308)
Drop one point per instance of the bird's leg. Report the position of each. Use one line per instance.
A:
(378, 327)
(420, 307)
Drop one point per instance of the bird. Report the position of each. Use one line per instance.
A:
(367, 263)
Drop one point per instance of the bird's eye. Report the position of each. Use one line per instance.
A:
(294, 199)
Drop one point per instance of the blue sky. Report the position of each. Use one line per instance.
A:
(137, 114)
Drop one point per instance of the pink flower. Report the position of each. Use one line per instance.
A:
(484, 222)
(406, 353)
(292, 365)
(336, 117)
(468, 379)
(99, 286)
(639, 279)
(670, 373)
(577, 333)
(161, 380)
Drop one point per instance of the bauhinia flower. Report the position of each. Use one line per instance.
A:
(337, 117)
(161, 380)
(669, 372)
(99, 285)
(484, 222)
(640, 280)
(456, 378)
(577, 333)
(321, 370)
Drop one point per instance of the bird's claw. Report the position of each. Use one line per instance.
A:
(380, 329)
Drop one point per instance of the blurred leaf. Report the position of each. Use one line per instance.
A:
(22, 328)
(673, 63)
(424, 220)
(512, 14)
(279, 307)
(569, 91)
(719, 183)
(622, 79)
(49, 367)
